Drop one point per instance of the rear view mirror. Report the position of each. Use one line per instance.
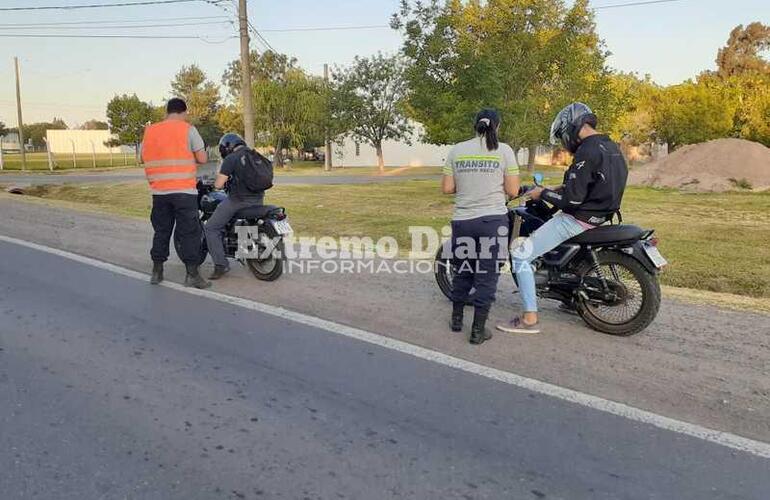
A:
(538, 178)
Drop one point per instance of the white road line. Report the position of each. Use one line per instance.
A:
(753, 447)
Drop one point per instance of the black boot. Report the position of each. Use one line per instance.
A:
(219, 271)
(479, 333)
(157, 273)
(457, 316)
(194, 279)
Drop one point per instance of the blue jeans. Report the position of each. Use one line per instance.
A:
(547, 237)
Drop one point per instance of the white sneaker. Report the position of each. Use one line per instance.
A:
(517, 325)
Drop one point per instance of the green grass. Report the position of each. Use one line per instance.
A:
(317, 168)
(715, 242)
(39, 161)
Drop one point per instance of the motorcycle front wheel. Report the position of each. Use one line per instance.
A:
(202, 252)
(637, 295)
(443, 271)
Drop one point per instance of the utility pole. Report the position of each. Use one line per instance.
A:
(327, 140)
(248, 106)
(20, 120)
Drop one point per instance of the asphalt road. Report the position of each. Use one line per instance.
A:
(111, 388)
(136, 175)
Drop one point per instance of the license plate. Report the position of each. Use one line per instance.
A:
(282, 227)
(654, 254)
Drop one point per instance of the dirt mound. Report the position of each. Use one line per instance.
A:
(718, 165)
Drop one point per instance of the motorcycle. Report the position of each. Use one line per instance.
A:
(263, 226)
(608, 274)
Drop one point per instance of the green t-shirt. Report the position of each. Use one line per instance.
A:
(479, 175)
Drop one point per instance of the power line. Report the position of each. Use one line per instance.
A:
(98, 5)
(226, 7)
(259, 35)
(138, 26)
(113, 21)
(326, 28)
(146, 37)
(633, 4)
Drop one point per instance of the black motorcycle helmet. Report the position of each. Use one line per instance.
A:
(567, 125)
(229, 142)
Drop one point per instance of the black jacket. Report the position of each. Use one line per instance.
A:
(594, 183)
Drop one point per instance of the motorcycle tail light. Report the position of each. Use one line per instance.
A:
(653, 241)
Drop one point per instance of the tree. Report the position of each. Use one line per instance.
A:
(35, 133)
(268, 65)
(630, 103)
(694, 112)
(289, 105)
(289, 110)
(202, 98)
(742, 54)
(127, 117)
(526, 58)
(755, 122)
(94, 124)
(369, 98)
(752, 117)
(230, 118)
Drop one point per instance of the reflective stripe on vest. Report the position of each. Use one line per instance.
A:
(169, 165)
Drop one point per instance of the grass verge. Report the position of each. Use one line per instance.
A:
(714, 242)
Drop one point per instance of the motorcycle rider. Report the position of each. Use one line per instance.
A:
(590, 195)
(479, 172)
(233, 149)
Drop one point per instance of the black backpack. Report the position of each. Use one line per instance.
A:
(254, 173)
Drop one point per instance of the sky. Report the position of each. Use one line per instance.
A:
(75, 78)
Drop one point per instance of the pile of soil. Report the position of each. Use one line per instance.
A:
(719, 165)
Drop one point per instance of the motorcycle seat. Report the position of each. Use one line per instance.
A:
(255, 211)
(609, 234)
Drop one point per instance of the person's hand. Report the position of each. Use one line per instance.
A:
(535, 193)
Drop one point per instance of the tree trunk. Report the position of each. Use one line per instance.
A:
(531, 157)
(278, 156)
(380, 158)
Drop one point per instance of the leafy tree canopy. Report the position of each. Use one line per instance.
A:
(95, 125)
(267, 65)
(744, 50)
(127, 116)
(526, 58)
(35, 133)
(368, 101)
(202, 98)
(289, 110)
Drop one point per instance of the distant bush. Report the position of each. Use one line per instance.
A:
(742, 183)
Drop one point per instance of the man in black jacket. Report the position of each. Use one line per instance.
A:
(590, 195)
(233, 150)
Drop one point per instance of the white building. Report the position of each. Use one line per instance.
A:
(395, 153)
(419, 154)
(83, 142)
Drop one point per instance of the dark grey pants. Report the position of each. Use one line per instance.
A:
(175, 212)
(215, 226)
(479, 271)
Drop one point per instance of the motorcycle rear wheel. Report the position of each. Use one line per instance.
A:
(629, 277)
(269, 269)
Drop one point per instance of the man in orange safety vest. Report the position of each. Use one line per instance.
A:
(171, 151)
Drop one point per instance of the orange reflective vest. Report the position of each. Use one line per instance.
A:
(168, 162)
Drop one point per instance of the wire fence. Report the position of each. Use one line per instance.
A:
(11, 160)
